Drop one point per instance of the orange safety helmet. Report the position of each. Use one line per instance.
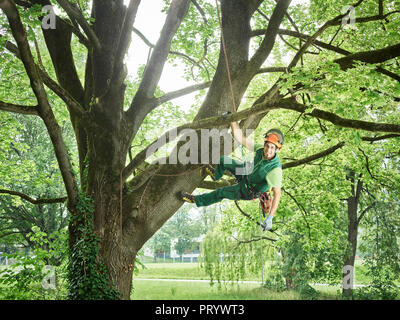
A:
(274, 136)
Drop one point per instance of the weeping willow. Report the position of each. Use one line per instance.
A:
(232, 251)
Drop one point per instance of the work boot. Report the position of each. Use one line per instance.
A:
(187, 197)
(208, 169)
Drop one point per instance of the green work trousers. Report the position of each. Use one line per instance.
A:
(235, 192)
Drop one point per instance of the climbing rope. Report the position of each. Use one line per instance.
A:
(226, 56)
(234, 110)
(261, 251)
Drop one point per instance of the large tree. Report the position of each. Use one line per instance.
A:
(132, 201)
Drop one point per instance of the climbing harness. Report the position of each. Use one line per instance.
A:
(265, 202)
(253, 193)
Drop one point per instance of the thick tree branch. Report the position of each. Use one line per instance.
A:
(245, 214)
(155, 102)
(273, 92)
(31, 200)
(3, 235)
(139, 107)
(58, 43)
(369, 19)
(143, 177)
(51, 84)
(260, 108)
(199, 124)
(303, 36)
(271, 69)
(380, 8)
(292, 104)
(150, 45)
(268, 42)
(44, 108)
(359, 188)
(74, 13)
(372, 56)
(124, 42)
(313, 157)
(314, 37)
(254, 5)
(212, 185)
(28, 110)
(345, 61)
(372, 205)
(152, 73)
(179, 93)
(378, 138)
(200, 10)
(126, 30)
(388, 73)
(22, 3)
(254, 240)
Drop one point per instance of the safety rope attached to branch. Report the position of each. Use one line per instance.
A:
(234, 110)
(226, 57)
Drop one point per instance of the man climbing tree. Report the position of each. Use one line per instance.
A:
(265, 176)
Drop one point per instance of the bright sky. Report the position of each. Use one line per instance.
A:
(150, 22)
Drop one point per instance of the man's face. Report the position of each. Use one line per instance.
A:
(269, 150)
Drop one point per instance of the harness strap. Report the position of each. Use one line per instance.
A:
(265, 202)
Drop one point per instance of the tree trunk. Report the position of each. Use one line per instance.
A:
(107, 150)
(351, 248)
(289, 283)
(352, 233)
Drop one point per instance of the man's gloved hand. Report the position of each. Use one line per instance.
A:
(267, 224)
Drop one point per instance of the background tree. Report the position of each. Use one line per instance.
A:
(180, 233)
(36, 168)
(185, 230)
(160, 243)
(379, 246)
(336, 78)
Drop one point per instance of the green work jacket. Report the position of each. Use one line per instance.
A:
(261, 167)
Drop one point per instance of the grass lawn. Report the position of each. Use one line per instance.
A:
(172, 271)
(146, 287)
(185, 270)
(175, 290)
(194, 271)
(179, 290)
